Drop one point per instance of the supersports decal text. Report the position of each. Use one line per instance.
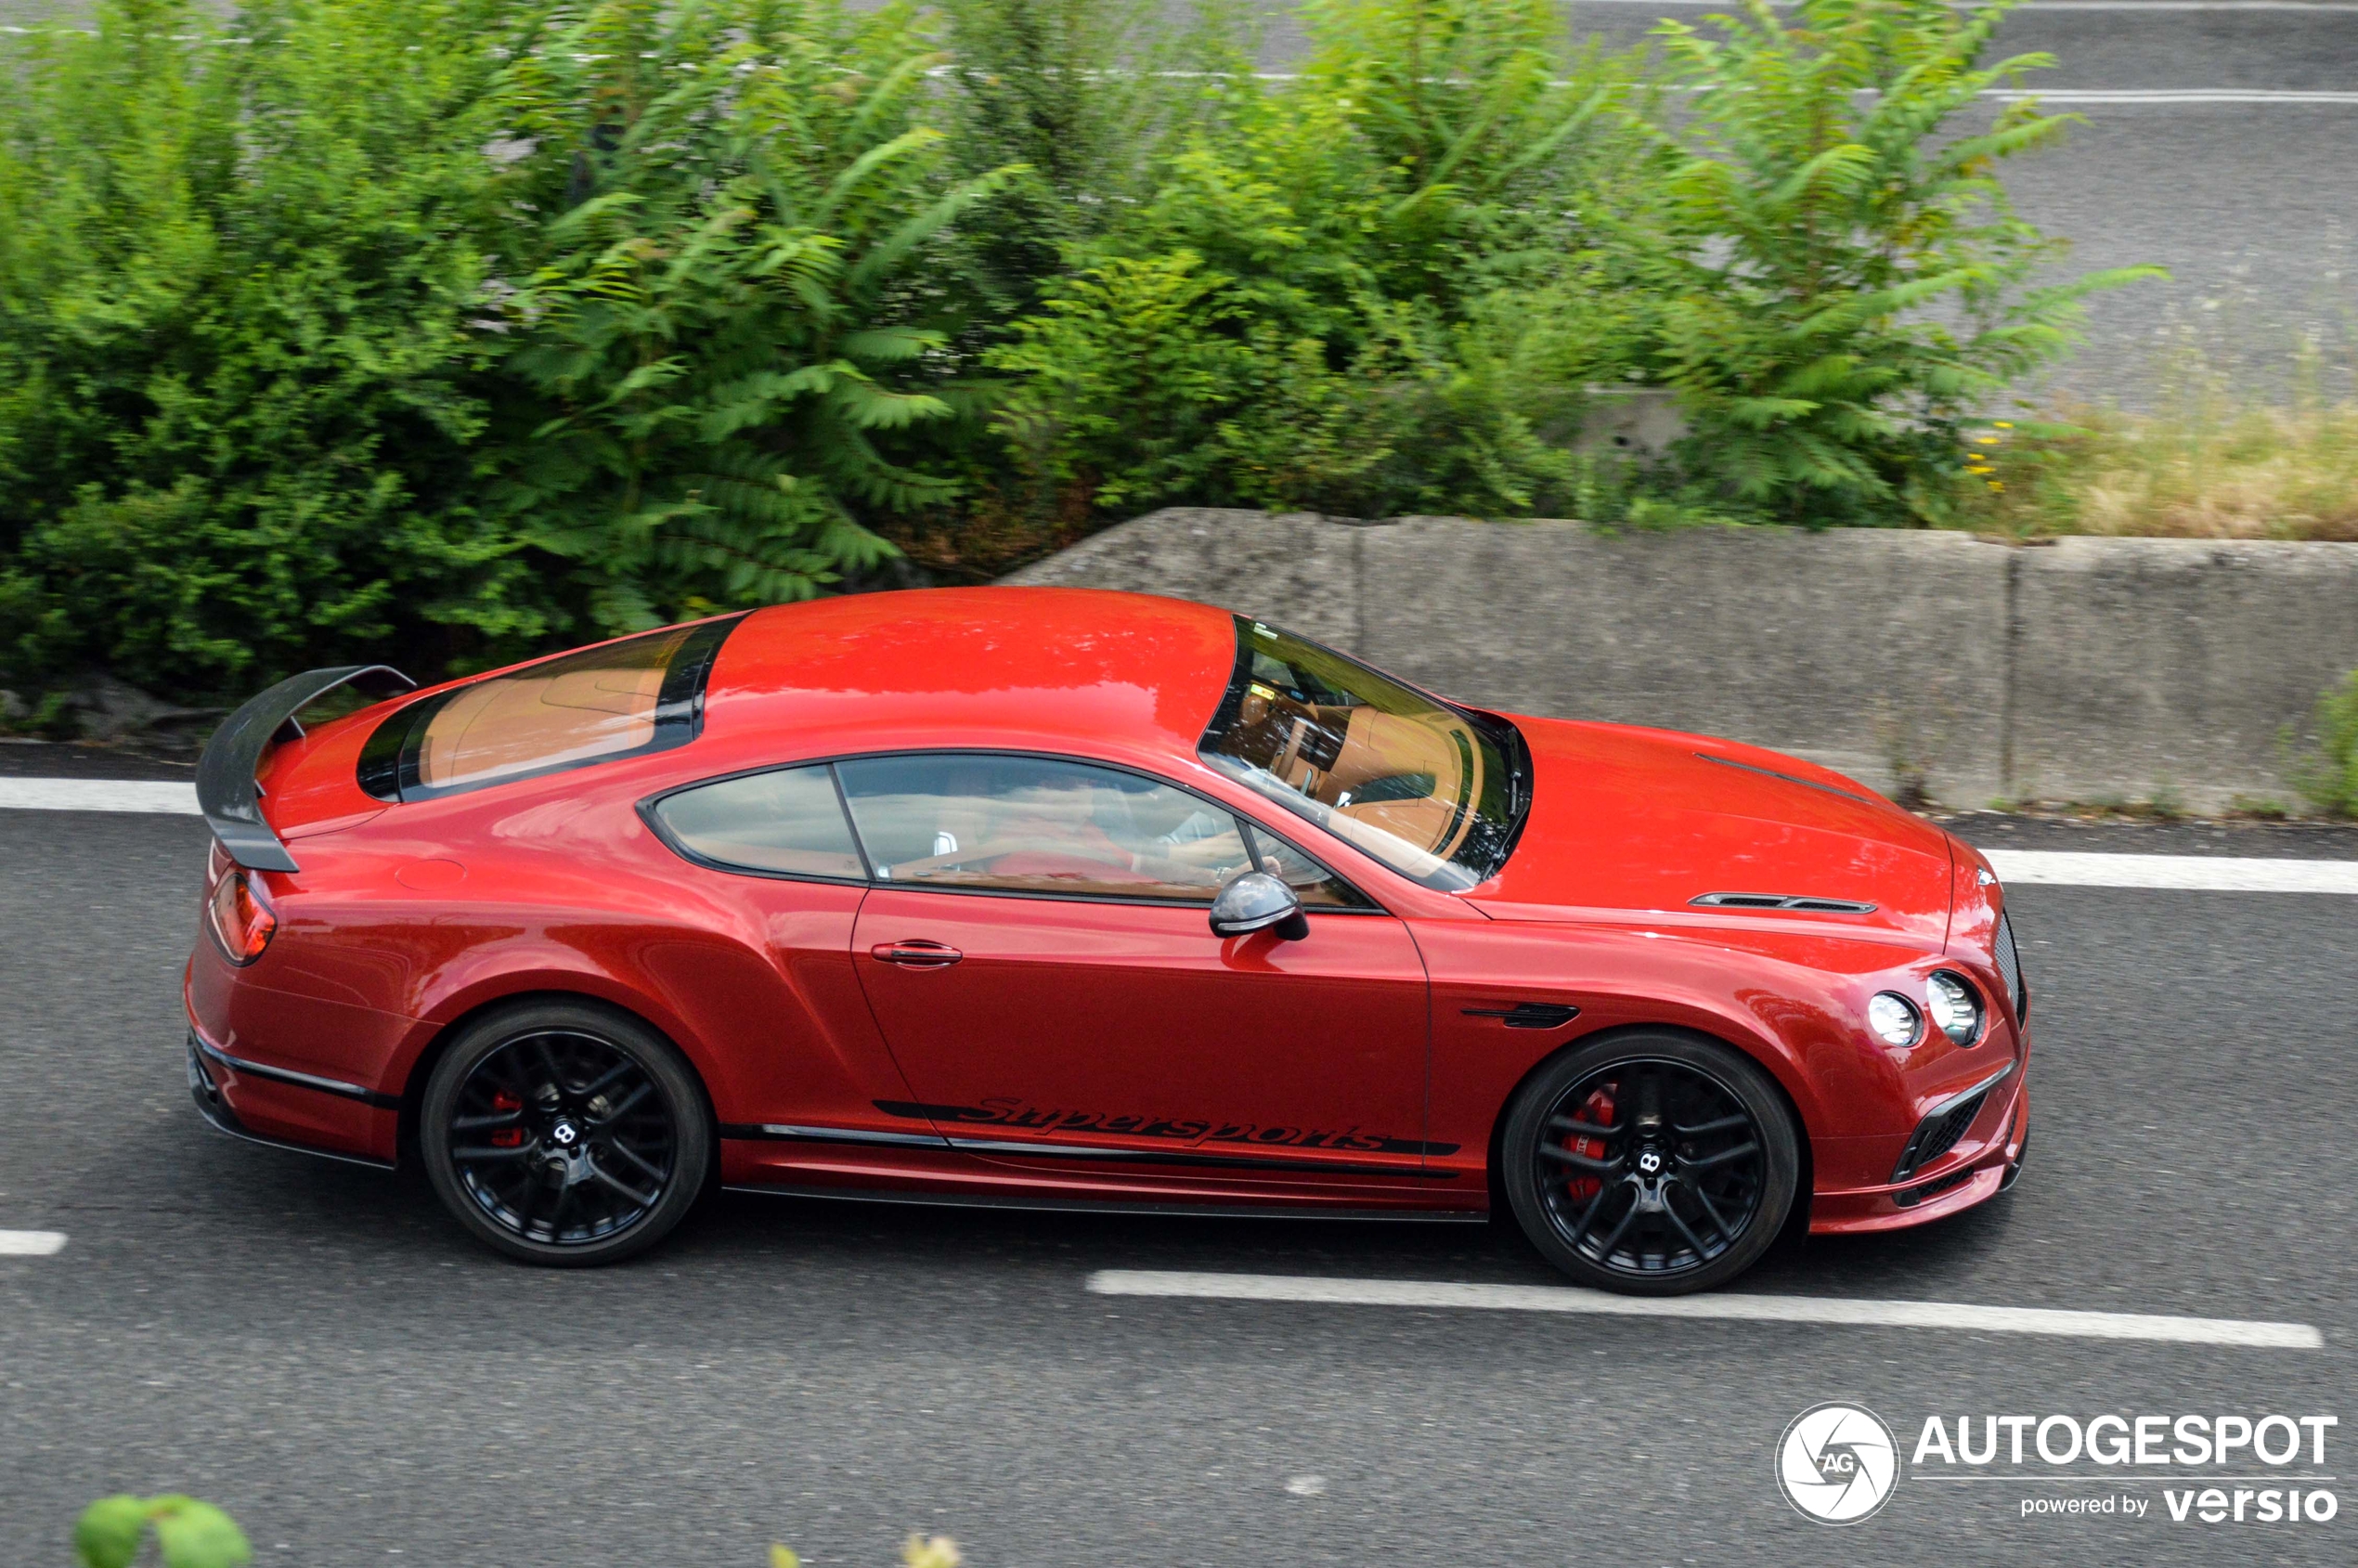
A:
(1022, 1115)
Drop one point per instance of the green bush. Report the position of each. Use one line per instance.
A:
(735, 307)
(236, 349)
(1327, 297)
(1838, 281)
(441, 331)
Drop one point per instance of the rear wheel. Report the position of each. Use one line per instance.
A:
(565, 1133)
(1652, 1164)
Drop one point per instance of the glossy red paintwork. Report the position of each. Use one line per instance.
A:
(1339, 1071)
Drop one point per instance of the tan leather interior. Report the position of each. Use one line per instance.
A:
(562, 712)
(1375, 747)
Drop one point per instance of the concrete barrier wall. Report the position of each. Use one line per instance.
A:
(2087, 669)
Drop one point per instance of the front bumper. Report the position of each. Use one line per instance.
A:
(1983, 1164)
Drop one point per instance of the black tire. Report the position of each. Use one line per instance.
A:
(565, 1134)
(1651, 1163)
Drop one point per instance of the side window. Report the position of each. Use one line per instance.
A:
(1037, 825)
(1316, 886)
(788, 821)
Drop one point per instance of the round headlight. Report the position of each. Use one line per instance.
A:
(1954, 1007)
(1894, 1019)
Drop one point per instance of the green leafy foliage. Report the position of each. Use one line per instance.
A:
(188, 1534)
(236, 286)
(1073, 96)
(444, 330)
(1327, 298)
(1839, 280)
(729, 317)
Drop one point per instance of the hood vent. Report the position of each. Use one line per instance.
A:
(1782, 901)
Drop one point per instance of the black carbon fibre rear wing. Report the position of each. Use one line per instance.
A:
(226, 792)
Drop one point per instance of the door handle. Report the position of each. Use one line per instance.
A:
(915, 955)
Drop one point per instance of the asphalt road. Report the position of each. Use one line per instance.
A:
(318, 1348)
(2250, 205)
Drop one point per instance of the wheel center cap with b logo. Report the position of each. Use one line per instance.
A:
(564, 1134)
(1649, 1161)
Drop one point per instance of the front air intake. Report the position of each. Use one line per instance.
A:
(1938, 1134)
(1934, 1188)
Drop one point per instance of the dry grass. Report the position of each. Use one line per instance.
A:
(2202, 471)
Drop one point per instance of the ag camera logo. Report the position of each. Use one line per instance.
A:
(1837, 1463)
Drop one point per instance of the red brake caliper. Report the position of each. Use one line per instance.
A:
(506, 1137)
(1596, 1110)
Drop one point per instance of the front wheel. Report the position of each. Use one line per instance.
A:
(1652, 1164)
(565, 1133)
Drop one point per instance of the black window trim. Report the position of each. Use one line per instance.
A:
(393, 746)
(655, 824)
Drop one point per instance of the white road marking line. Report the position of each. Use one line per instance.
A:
(1748, 1309)
(29, 1243)
(2098, 97)
(99, 794)
(2199, 874)
(2034, 7)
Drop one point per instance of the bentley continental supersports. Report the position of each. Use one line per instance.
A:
(1056, 897)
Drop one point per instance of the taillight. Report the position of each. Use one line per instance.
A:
(241, 920)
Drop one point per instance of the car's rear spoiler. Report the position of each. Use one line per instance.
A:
(226, 792)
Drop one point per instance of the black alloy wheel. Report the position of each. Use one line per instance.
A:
(1652, 1164)
(565, 1133)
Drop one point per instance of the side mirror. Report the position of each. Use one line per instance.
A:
(1258, 901)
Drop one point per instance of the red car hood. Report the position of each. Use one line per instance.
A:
(1627, 819)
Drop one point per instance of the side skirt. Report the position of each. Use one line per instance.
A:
(1087, 1206)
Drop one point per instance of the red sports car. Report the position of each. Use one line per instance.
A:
(1050, 898)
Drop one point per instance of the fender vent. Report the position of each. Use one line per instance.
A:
(1527, 1015)
(2010, 967)
(1782, 901)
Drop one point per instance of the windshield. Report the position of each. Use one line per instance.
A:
(1434, 792)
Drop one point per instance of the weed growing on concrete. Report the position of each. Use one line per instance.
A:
(2327, 774)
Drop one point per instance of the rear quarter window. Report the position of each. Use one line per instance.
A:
(623, 699)
(787, 823)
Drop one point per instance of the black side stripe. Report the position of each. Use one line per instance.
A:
(978, 1116)
(1174, 1157)
(787, 1132)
